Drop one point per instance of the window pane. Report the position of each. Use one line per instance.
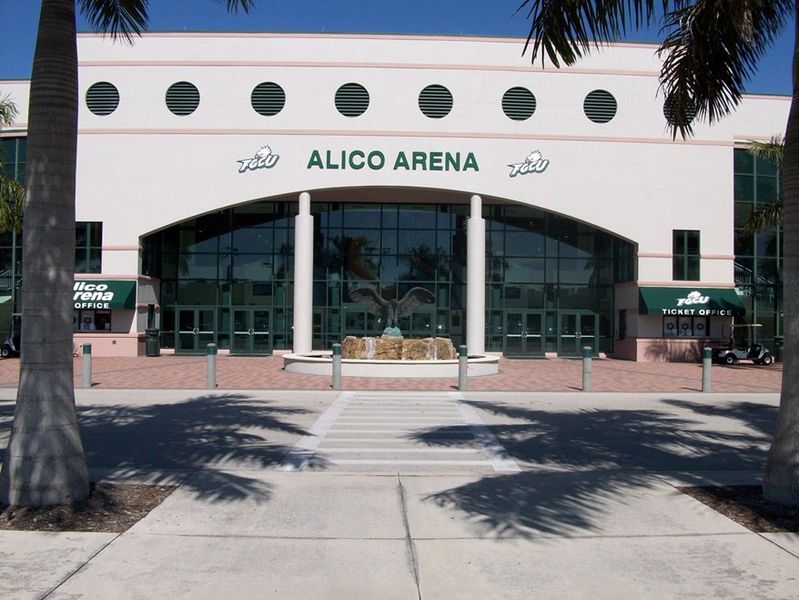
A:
(81, 261)
(197, 266)
(81, 234)
(95, 260)
(678, 268)
(678, 241)
(361, 216)
(744, 244)
(693, 268)
(96, 234)
(742, 213)
(526, 270)
(744, 188)
(765, 167)
(744, 162)
(526, 243)
(766, 190)
(766, 243)
(417, 217)
(253, 240)
(692, 242)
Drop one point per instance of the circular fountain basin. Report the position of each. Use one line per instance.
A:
(321, 363)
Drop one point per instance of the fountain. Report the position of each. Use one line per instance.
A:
(391, 354)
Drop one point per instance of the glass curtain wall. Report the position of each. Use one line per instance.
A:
(219, 271)
(390, 248)
(13, 156)
(550, 282)
(549, 285)
(758, 257)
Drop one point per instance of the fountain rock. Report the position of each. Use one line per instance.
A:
(396, 348)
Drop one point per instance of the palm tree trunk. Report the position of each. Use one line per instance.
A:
(45, 462)
(781, 479)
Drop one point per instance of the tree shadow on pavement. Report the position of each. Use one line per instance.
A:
(579, 461)
(216, 437)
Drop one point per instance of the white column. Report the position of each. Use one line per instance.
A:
(303, 276)
(475, 278)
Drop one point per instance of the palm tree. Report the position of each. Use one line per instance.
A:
(44, 461)
(709, 48)
(770, 215)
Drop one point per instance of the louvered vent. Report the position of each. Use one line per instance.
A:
(600, 106)
(102, 98)
(518, 104)
(182, 98)
(352, 99)
(670, 113)
(268, 99)
(435, 101)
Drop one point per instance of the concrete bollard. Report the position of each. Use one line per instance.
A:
(587, 353)
(463, 366)
(87, 365)
(211, 380)
(707, 362)
(336, 366)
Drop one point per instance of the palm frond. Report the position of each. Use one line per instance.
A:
(711, 48)
(8, 110)
(236, 5)
(768, 216)
(11, 203)
(119, 18)
(772, 151)
(568, 29)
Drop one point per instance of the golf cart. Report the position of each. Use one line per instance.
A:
(734, 352)
(10, 347)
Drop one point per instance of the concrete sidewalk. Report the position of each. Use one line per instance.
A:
(415, 495)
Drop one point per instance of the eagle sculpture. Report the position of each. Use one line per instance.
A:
(392, 310)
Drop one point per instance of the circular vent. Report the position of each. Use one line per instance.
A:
(435, 101)
(670, 113)
(182, 98)
(352, 99)
(518, 104)
(268, 99)
(600, 106)
(102, 98)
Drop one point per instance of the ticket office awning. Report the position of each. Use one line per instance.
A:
(697, 302)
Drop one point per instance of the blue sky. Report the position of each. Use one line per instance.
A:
(18, 20)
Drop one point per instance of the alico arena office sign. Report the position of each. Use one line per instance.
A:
(103, 295)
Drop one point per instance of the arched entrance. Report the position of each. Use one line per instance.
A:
(226, 277)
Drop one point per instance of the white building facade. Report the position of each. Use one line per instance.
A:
(243, 184)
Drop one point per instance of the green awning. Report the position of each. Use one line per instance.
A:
(672, 301)
(102, 294)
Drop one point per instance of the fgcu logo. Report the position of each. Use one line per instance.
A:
(534, 163)
(693, 298)
(263, 159)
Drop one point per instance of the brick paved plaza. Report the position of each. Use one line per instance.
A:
(554, 374)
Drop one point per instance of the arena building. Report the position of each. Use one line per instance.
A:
(235, 188)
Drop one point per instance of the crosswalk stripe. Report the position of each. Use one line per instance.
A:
(399, 450)
(482, 463)
(400, 423)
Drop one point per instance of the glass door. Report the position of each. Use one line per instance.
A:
(196, 329)
(576, 331)
(523, 334)
(252, 332)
